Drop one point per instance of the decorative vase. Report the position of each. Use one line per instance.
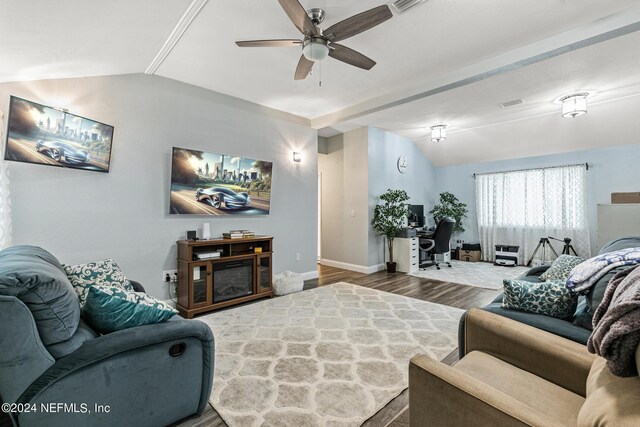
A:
(391, 267)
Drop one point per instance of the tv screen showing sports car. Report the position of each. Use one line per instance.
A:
(218, 184)
(48, 136)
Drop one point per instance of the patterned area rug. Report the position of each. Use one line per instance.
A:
(330, 356)
(478, 274)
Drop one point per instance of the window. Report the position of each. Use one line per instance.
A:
(520, 207)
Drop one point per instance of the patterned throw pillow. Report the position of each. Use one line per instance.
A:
(561, 268)
(550, 298)
(110, 309)
(105, 273)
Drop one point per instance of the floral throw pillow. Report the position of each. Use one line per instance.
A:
(110, 308)
(551, 298)
(561, 268)
(106, 272)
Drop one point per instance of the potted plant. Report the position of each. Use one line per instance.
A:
(388, 219)
(450, 206)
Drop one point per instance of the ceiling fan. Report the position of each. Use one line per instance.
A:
(318, 44)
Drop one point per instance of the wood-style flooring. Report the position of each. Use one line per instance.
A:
(394, 414)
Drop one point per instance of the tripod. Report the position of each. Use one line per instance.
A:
(544, 241)
(568, 247)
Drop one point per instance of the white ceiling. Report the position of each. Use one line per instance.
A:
(610, 70)
(431, 39)
(437, 43)
(44, 39)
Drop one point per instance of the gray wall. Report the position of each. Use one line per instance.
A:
(418, 181)
(612, 169)
(332, 218)
(344, 199)
(359, 167)
(323, 144)
(356, 165)
(83, 216)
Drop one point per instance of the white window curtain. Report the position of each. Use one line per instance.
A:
(521, 207)
(5, 200)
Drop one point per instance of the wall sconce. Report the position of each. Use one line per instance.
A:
(297, 157)
(574, 105)
(438, 133)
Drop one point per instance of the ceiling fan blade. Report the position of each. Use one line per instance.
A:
(350, 56)
(270, 43)
(303, 69)
(299, 16)
(358, 23)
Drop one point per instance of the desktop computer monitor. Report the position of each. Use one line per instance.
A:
(416, 216)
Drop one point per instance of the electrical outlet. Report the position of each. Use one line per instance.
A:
(169, 273)
(173, 290)
(297, 256)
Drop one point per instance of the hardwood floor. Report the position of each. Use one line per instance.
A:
(451, 294)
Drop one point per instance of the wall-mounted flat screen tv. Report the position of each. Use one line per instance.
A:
(218, 184)
(48, 136)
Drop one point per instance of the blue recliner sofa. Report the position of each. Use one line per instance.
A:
(57, 371)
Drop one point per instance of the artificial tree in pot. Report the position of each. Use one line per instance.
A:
(388, 219)
(451, 207)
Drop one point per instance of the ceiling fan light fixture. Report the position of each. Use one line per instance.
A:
(438, 133)
(315, 49)
(574, 105)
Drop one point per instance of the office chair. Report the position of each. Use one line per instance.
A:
(438, 243)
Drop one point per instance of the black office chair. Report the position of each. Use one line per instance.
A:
(438, 243)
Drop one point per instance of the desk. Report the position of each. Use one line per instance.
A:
(425, 234)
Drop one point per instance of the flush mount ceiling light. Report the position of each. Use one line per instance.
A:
(297, 157)
(315, 49)
(574, 105)
(438, 133)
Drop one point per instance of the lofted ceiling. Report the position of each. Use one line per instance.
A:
(610, 71)
(431, 39)
(450, 61)
(44, 39)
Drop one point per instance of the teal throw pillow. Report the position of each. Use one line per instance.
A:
(102, 273)
(550, 298)
(110, 309)
(561, 268)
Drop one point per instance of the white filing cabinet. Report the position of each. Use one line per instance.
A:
(406, 254)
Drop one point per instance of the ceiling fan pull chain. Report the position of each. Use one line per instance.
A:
(320, 74)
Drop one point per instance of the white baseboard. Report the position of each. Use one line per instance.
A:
(352, 267)
(375, 268)
(313, 274)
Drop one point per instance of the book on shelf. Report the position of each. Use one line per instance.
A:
(209, 255)
(232, 235)
(237, 234)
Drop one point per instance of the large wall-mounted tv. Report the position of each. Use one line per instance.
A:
(217, 184)
(49, 136)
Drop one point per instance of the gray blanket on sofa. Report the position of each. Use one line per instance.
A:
(616, 323)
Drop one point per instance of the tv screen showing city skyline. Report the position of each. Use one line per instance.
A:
(205, 183)
(48, 136)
